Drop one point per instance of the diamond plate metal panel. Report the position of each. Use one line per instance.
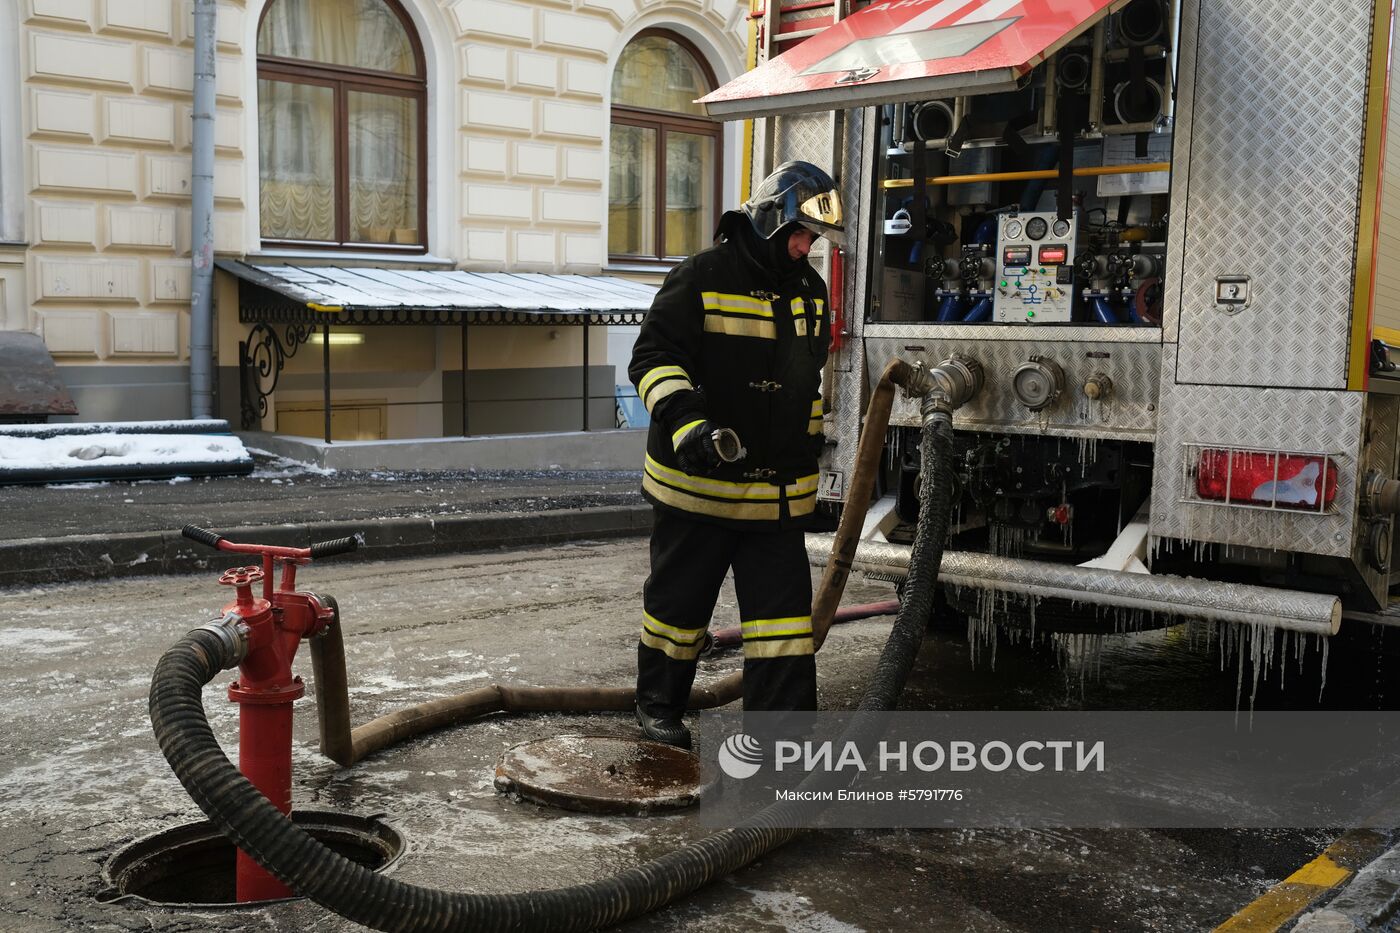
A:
(1277, 106)
(1247, 416)
(1181, 167)
(848, 396)
(1378, 453)
(1129, 413)
(805, 136)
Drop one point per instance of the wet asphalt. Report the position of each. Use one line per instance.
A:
(81, 776)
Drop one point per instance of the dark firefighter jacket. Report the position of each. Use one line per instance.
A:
(733, 341)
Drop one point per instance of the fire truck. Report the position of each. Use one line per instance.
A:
(1160, 230)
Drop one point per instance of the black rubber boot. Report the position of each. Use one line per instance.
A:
(666, 731)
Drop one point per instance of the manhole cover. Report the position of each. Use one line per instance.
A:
(192, 865)
(601, 774)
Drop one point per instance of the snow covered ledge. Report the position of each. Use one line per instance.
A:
(81, 452)
(573, 450)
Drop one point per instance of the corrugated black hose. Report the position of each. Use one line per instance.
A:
(916, 603)
(383, 903)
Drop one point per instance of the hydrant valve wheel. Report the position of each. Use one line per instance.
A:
(241, 576)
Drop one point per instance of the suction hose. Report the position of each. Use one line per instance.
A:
(357, 893)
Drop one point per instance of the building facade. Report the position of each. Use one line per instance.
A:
(481, 135)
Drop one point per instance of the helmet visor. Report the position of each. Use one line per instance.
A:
(821, 213)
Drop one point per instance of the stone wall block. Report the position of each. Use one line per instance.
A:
(534, 71)
(580, 121)
(534, 248)
(583, 249)
(498, 111)
(63, 223)
(486, 248)
(228, 130)
(585, 78)
(141, 228)
(169, 177)
(70, 333)
(485, 156)
(83, 170)
(62, 113)
(70, 13)
(74, 60)
(589, 34)
(583, 164)
(170, 71)
(141, 122)
(536, 160)
(580, 207)
(144, 333)
(492, 18)
(622, 10)
(170, 281)
(228, 25)
(114, 280)
(505, 201)
(484, 63)
(144, 17)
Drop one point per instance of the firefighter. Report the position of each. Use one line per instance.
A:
(729, 363)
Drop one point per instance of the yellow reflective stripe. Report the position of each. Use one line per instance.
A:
(663, 390)
(661, 382)
(773, 628)
(805, 486)
(777, 648)
(736, 304)
(814, 426)
(660, 372)
(799, 309)
(684, 430)
(685, 636)
(712, 487)
(739, 327)
(672, 650)
(676, 499)
(800, 507)
(817, 408)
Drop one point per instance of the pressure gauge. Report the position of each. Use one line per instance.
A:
(1061, 228)
(1036, 228)
(1013, 229)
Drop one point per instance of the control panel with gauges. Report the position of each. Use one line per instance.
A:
(1035, 268)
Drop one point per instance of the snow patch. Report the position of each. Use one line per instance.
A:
(68, 451)
(37, 640)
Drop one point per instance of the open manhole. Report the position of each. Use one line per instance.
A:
(193, 865)
(601, 774)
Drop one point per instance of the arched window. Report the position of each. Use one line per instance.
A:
(342, 109)
(664, 174)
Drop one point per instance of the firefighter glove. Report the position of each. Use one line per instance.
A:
(696, 452)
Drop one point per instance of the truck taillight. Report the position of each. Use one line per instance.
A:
(1267, 478)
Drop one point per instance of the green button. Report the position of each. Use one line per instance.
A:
(1030, 314)
(1003, 283)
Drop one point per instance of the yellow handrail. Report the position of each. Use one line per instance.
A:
(1085, 171)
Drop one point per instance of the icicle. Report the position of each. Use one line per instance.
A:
(1323, 685)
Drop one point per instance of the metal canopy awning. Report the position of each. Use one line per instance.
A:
(338, 295)
(312, 299)
(898, 50)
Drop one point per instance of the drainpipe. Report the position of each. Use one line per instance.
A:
(202, 216)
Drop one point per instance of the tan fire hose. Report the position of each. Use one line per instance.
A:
(346, 745)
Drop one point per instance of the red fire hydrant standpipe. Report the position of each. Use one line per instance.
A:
(272, 626)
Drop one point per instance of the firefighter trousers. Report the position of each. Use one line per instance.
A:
(773, 583)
